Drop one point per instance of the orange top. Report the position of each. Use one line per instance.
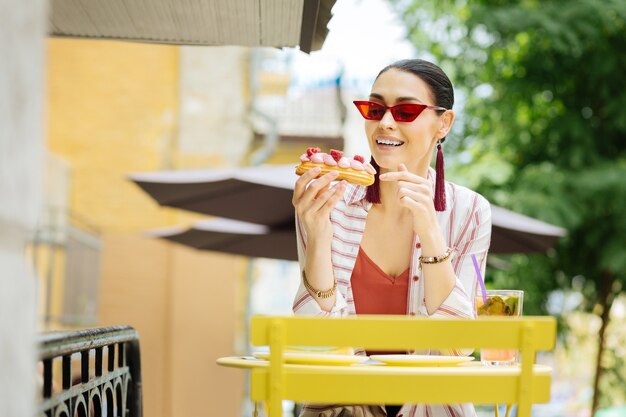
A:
(376, 292)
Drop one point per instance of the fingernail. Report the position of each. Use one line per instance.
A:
(382, 176)
(334, 173)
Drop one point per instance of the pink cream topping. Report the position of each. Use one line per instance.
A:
(356, 165)
(328, 160)
(344, 162)
(317, 158)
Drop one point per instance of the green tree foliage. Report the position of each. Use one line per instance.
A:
(543, 128)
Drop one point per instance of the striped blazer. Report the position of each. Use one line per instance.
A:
(466, 224)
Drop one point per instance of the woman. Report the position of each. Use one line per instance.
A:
(403, 245)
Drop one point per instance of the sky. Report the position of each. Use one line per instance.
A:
(364, 36)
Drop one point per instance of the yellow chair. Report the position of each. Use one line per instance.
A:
(522, 385)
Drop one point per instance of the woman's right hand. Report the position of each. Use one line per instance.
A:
(314, 203)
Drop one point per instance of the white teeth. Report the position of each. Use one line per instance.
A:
(389, 142)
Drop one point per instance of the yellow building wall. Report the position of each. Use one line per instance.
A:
(135, 292)
(184, 303)
(112, 109)
(204, 308)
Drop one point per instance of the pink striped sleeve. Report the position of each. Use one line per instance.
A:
(472, 237)
(304, 303)
(475, 241)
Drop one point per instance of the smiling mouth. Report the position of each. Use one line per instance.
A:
(389, 142)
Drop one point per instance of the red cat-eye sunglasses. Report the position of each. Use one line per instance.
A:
(406, 112)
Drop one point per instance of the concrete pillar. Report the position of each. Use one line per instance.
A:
(22, 40)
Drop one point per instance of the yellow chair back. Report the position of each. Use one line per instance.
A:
(523, 385)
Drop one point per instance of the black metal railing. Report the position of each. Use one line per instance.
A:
(107, 378)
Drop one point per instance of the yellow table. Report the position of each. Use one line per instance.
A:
(467, 374)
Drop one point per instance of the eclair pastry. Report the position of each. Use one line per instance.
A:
(355, 171)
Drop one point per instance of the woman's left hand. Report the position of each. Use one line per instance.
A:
(415, 193)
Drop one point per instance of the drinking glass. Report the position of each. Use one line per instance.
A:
(506, 303)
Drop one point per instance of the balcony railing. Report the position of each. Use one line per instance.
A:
(107, 378)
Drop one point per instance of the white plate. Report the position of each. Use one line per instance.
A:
(308, 358)
(421, 360)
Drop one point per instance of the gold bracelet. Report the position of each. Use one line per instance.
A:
(430, 260)
(318, 293)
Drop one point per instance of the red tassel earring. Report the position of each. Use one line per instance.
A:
(440, 186)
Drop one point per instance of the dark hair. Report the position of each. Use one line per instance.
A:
(441, 91)
(439, 83)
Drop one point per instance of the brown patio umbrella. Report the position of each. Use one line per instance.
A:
(261, 197)
(515, 233)
(234, 237)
